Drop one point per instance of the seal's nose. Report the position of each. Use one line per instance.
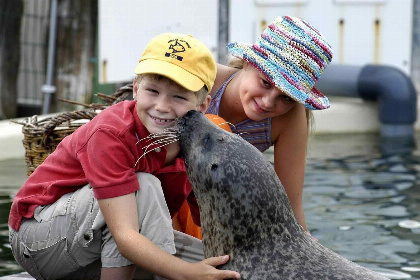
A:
(182, 122)
(191, 113)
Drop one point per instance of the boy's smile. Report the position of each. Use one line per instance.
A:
(161, 121)
(160, 102)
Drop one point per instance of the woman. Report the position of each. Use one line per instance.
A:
(268, 92)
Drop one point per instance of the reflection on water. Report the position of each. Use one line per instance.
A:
(360, 201)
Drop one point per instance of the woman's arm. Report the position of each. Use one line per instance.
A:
(290, 133)
(120, 214)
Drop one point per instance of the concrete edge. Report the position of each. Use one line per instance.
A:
(11, 137)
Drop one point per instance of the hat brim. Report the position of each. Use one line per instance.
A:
(312, 99)
(171, 71)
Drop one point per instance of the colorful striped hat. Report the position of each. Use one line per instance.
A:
(292, 55)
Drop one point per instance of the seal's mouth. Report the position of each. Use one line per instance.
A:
(187, 123)
(195, 128)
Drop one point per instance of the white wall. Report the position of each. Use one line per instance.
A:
(125, 27)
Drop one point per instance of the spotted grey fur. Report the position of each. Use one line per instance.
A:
(245, 211)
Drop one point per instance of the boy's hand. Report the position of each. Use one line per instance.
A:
(308, 233)
(206, 269)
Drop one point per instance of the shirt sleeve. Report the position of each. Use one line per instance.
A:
(108, 164)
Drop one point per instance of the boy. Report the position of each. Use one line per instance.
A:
(99, 199)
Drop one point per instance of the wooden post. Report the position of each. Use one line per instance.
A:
(10, 19)
(76, 38)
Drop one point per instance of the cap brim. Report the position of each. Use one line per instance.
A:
(171, 71)
(313, 99)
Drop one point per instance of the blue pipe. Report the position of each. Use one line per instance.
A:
(393, 89)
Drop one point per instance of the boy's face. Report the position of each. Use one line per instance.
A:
(161, 102)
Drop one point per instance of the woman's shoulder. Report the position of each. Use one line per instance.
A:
(223, 73)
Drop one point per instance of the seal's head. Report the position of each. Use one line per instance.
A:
(215, 158)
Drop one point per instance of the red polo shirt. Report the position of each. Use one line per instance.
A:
(103, 153)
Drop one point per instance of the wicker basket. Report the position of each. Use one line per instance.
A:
(41, 138)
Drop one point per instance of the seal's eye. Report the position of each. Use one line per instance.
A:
(208, 142)
(206, 138)
(214, 167)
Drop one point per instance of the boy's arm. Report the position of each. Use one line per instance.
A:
(120, 214)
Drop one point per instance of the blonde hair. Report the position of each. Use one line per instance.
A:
(201, 94)
(236, 63)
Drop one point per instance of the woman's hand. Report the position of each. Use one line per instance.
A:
(206, 270)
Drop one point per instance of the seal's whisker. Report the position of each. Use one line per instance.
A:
(161, 141)
(164, 141)
(165, 132)
(219, 124)
(231, 124)
(147, 137)
(164, 135)
(169, 129)
(146, 152)
(240, 133)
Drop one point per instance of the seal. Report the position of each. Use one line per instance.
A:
(245, 212)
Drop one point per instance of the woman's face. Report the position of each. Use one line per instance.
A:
(260, 98)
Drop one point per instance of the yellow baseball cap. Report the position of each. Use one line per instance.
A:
(181, 58)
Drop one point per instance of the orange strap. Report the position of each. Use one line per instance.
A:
(186, 222)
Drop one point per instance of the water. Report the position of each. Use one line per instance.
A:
(12, 176)
(360, 200)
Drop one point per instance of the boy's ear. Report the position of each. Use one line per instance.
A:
(205, 105)
(135, 88)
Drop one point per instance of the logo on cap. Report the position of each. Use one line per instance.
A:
(176, 47)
